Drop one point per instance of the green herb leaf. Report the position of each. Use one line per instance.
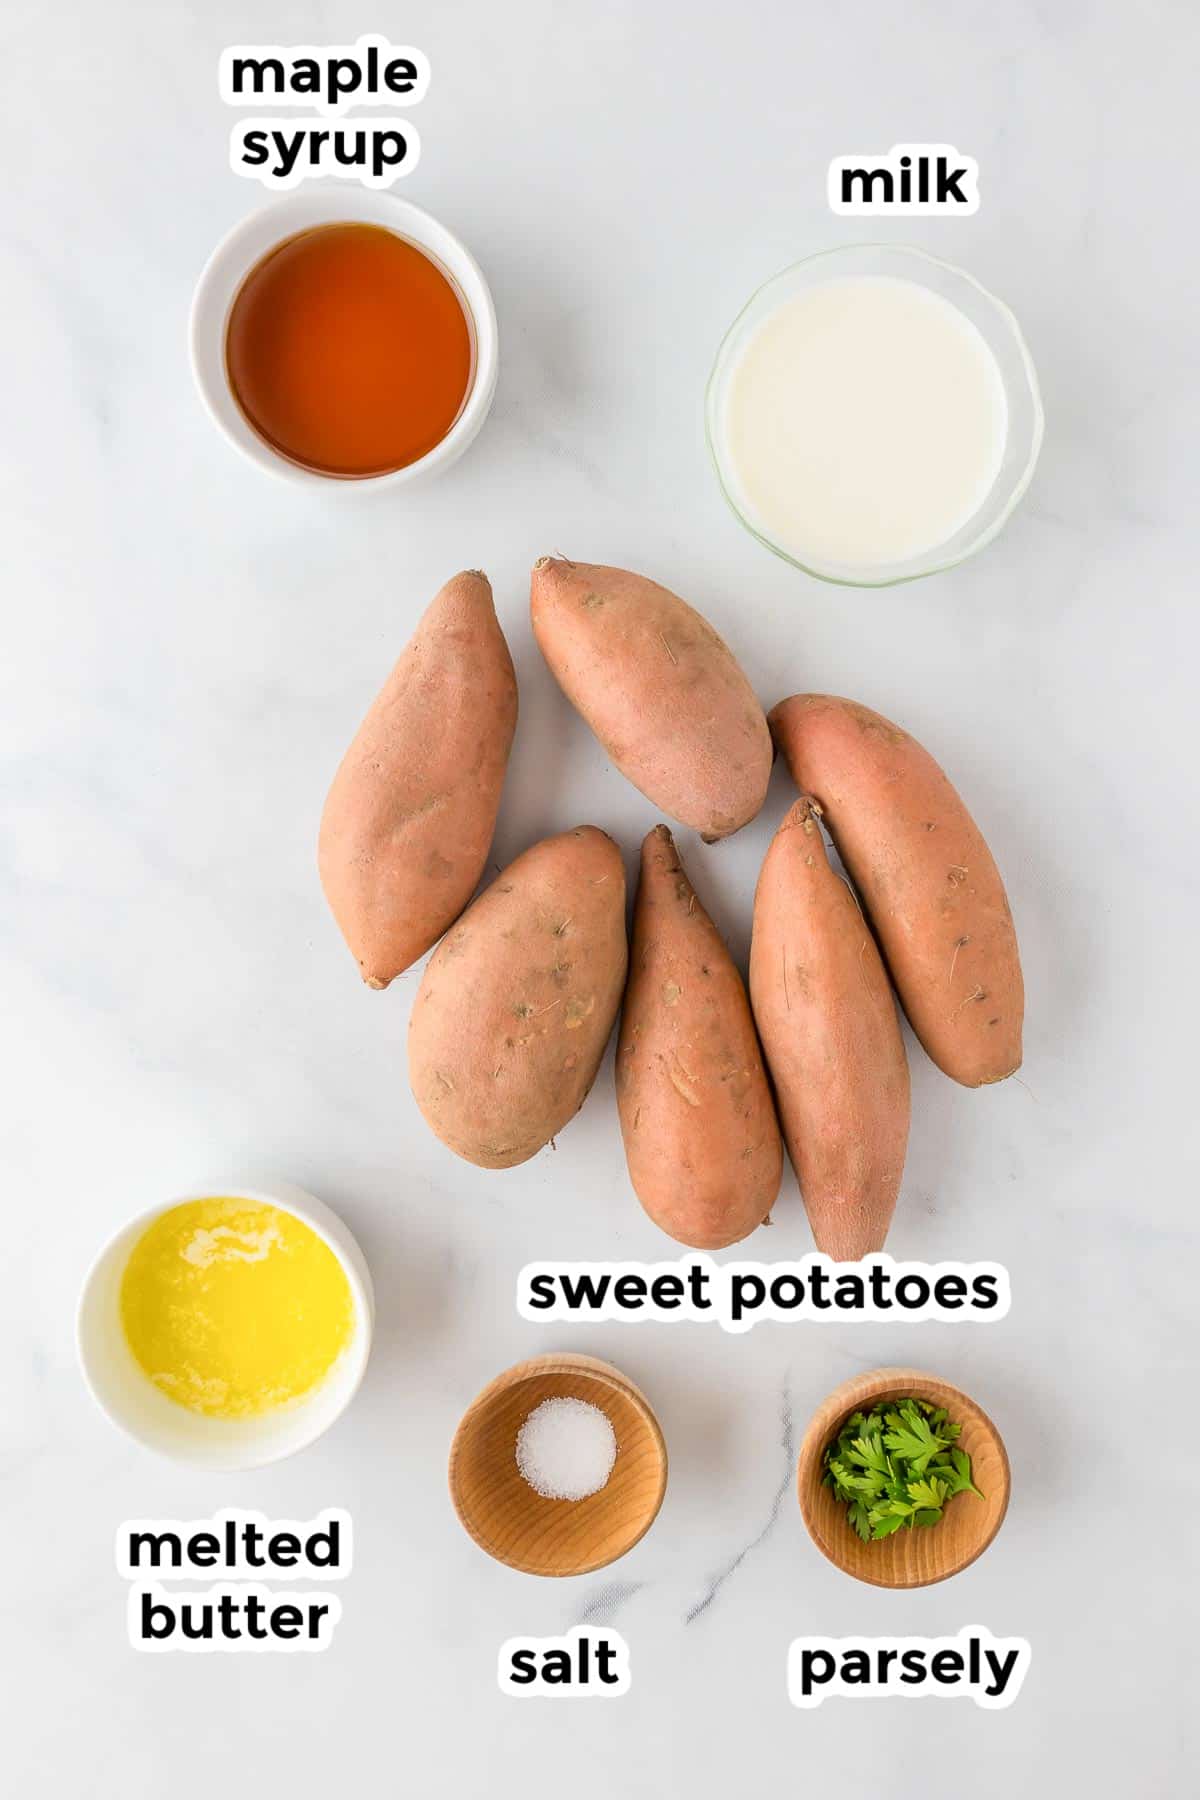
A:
(859, 1516)
(884, 1527)
(960, 1474)
(928, 1493)
(868, 1453)
(912, 1437)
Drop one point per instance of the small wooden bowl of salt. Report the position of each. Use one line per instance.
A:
(559, 1466)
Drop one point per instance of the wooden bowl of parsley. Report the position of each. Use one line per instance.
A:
(903, 1479)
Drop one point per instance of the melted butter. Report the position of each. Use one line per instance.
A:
(233, 1308)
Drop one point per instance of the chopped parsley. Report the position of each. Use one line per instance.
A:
(897, 1466)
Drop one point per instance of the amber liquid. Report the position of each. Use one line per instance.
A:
(349, 350)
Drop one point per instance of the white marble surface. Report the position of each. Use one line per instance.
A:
(187, 646)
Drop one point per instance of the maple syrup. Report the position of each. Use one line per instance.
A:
(349, 350)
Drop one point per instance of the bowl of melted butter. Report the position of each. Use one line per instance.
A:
(228, 1328)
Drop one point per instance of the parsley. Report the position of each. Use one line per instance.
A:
(897, 1466)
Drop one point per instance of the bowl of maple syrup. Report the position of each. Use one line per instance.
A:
(345, 337)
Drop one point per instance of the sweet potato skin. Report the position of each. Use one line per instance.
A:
(662, 692)
(829, 1027)
(925, 876)
(518, 1001)
(701, 1137)
(409, 819)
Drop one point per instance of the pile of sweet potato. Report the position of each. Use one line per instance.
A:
(519, 999)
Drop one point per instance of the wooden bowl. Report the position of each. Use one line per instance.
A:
(919, 1557)
(517, 1525)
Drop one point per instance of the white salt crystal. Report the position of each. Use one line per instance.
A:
(566, 1449)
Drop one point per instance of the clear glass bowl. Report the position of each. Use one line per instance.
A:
(1003, 337)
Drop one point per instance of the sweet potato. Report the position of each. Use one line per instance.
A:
(701, 1137)
(409, 819)
(659, 688)
(831, 1033)
(924, 875)
(518, 1001)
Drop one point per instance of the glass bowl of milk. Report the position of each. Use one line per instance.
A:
(874, 415)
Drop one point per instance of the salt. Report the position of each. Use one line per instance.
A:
(566, 1449)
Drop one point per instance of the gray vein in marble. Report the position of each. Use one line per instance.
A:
(787, 1444)
(602, 1607)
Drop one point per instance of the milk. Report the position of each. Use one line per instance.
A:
(864, 422)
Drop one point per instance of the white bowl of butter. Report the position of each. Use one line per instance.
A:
(227, 1328)
(874, 415)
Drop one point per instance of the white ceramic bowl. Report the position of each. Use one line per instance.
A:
(999, 330)
(123, 1390)
(247, 244)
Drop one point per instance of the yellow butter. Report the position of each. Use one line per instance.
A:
(234, 1308)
